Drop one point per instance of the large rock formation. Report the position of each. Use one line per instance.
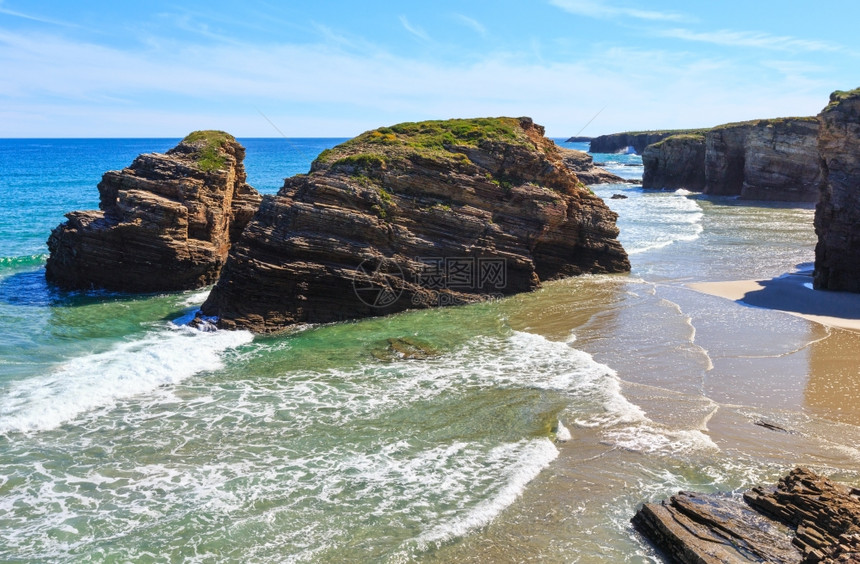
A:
(823, 520)
(582, 164)
(675, 162)
(415, 215)
(774, 159)
(164, 223)
(837, 216)
(618, 142)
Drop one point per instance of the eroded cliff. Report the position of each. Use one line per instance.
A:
(773, 159)
(618, 142)
(415, 215)
(165, 223)
(837, 215)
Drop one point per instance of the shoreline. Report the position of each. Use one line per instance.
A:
(790, 293)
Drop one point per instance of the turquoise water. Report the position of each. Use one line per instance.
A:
(532, 431)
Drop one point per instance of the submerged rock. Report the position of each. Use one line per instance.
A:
(806, 518)
(415, 215)
(837, 216)
(164, 223)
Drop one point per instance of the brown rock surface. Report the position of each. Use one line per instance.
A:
(805, 518)
(582, 164)
(837, 216)
(164, 223)
(415, 215)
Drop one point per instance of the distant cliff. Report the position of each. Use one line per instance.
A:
(164, 223)
(773, 159)
(837, 216)
(617, 142)
(675, 162)
(415, 215)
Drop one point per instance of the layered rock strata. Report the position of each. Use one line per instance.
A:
(582, 164)
(415, 215)
(774, 160)
(837, 215)
(675, 162)
(805, 518)
(164, 223)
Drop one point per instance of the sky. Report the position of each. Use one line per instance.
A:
(328, 68)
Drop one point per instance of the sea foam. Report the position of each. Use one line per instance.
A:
(161, 357)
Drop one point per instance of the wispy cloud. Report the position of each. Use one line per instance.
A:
(601, 10)
(479, 28)
(414, 30)
(40, 19)
(752, 39)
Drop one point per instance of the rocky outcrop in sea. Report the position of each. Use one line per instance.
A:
(805, 518)
(411, 216)
(582, 164)
(675, 162)
(618, 142)
(165, 223)
(837, 215)
(773, 159)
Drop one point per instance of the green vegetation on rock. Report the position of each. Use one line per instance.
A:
(209, 142)
(435, 139)
(840, 96)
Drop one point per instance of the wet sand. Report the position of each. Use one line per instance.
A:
(791, 293)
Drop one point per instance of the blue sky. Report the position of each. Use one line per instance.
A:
(337, 68)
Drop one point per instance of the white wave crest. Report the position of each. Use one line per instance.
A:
(165, 356)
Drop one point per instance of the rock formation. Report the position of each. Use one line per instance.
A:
(837, 216)
(775, 159)
(823, 517)
(583, 166)
(675, 162)
(618, 142)
(164, 223)
(578, 139)
(415, 215)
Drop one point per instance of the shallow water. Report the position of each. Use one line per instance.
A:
(532, 432)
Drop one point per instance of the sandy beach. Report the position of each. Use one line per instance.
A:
(791, 293)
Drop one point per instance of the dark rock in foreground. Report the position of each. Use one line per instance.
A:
(806, 519)
(774, 159)
(415, 215)
(837, 216)
(165, 222)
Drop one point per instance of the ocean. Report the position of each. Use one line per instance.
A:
(534, 432)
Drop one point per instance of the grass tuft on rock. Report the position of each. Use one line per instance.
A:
(209, 143)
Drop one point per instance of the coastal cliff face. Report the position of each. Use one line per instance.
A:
(616, 142)
(837, 215)
(582, 164)
(415, 215)
(164, 223)
(675, 162)
(774, 159)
